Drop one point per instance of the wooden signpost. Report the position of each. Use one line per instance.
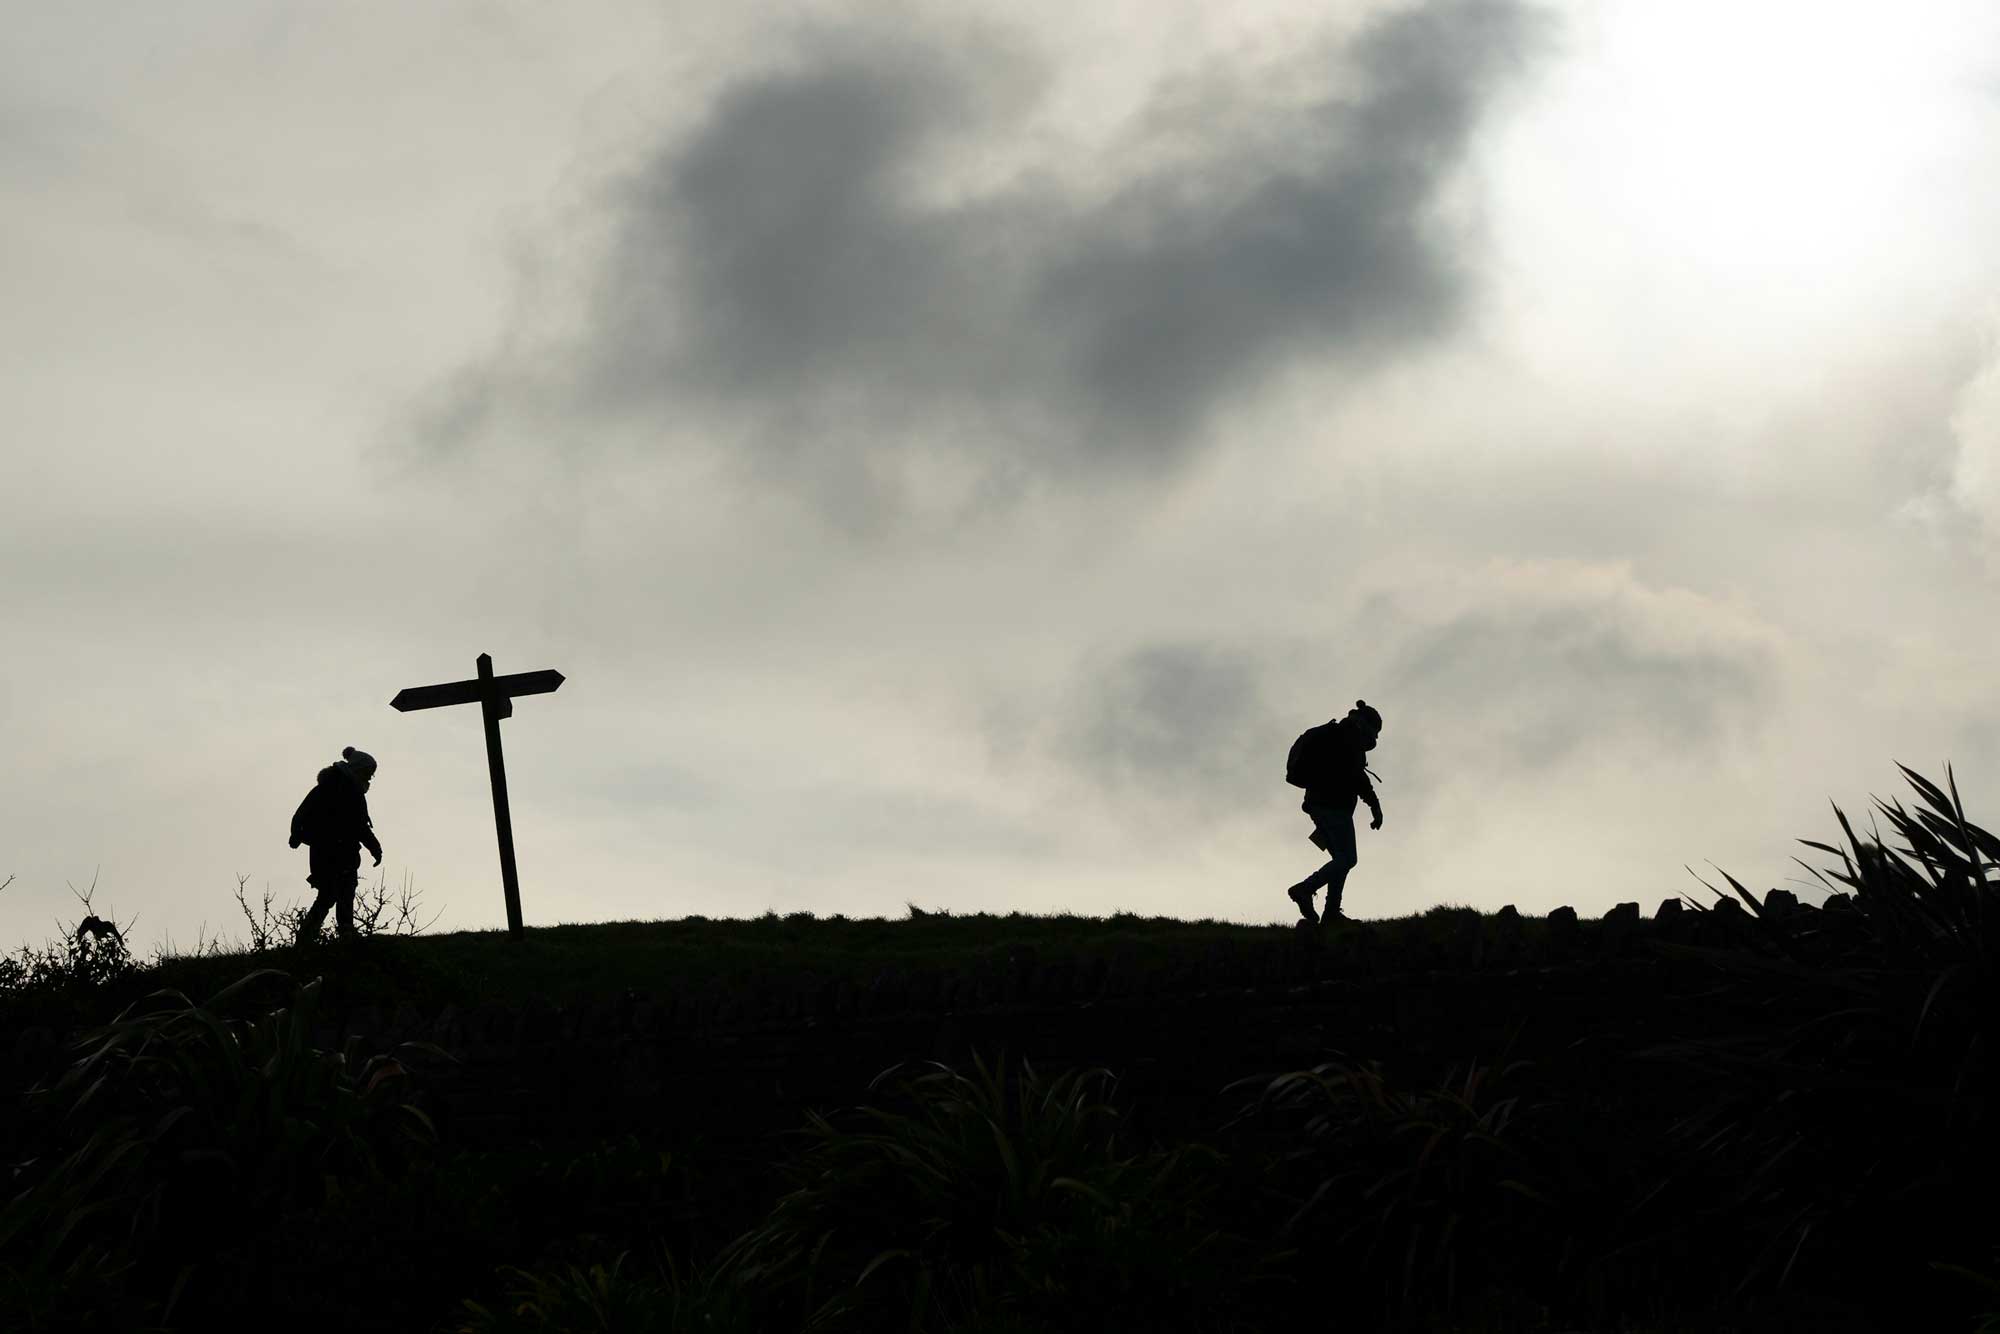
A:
(495, 695)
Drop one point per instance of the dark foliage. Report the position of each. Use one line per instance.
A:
(1755, 1115)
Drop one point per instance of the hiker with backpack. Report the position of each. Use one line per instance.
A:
(333, 821)
(1331, 763)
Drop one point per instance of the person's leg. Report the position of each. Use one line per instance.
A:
(1335, 883)
(315, 916)
(1339, 836)
(326, 879)
(1318, 878)
(334, 872)
(1302, 893)
(343, 910)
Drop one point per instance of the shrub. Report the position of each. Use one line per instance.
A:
(565, 1296)
(1412, 1204)
(180, 1138)
(1857, 1115)
(91, 956)
(376, 913)
(997, 1196)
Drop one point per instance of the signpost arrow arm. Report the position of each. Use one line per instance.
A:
(490, 707)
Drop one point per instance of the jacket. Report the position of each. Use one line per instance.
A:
(334, 815)
(1343, 774)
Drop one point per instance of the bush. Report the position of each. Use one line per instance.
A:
(1856, 1115)
(91, 956)
(1001, 1196)
(566, 1296)
(175, 1146)
(1414, 1205)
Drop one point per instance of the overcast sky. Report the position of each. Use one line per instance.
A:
(951, 451)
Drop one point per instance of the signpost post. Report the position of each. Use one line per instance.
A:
(495, 696)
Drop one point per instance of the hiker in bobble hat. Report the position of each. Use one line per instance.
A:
(1331, 763)
(333, 821)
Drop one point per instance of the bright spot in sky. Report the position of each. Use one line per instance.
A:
(1720, 182)
(1772, 135)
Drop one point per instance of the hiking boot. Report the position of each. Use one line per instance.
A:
(1334, 915)
(1304, 898)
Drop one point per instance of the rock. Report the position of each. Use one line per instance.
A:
(1563, 918)
(1723, 923)
(1838, 903)
(1509, 914)
(1669, 911)
(1620, 925)
(1780, 903)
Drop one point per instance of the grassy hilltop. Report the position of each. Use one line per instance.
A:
(752, 960)
(1750, 1114)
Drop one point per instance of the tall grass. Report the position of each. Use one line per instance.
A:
(180, 1137)
(1414, 1204)
(1857, 1121)
(991, 1198)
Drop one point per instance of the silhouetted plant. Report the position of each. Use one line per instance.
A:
(999, 1195)
(271, 927)
(1860, 1108)
(91, 954)
(1988, 1321)
(376, 912)
(1418, 1200)
(564, 1297)
(180, 1136)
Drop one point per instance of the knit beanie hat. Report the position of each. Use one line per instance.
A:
(360, 761)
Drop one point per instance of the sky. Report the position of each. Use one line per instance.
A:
(950, 450)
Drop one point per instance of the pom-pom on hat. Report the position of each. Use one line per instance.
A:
(1367, 715)
(361, 760)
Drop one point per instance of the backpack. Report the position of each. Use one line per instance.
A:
(1306, 762)
(308, 819)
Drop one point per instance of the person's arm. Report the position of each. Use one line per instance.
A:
(1374, 802)
(368, 839)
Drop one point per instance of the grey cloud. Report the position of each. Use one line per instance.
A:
(1520, 672)
(782, 272)
(1540, 686)
(1184, 729)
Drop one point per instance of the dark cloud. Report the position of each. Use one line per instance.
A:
(1178, 734)
(789, 275)
(1528, 689)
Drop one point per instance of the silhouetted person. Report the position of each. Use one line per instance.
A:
(333, 819)
(1331, 763)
